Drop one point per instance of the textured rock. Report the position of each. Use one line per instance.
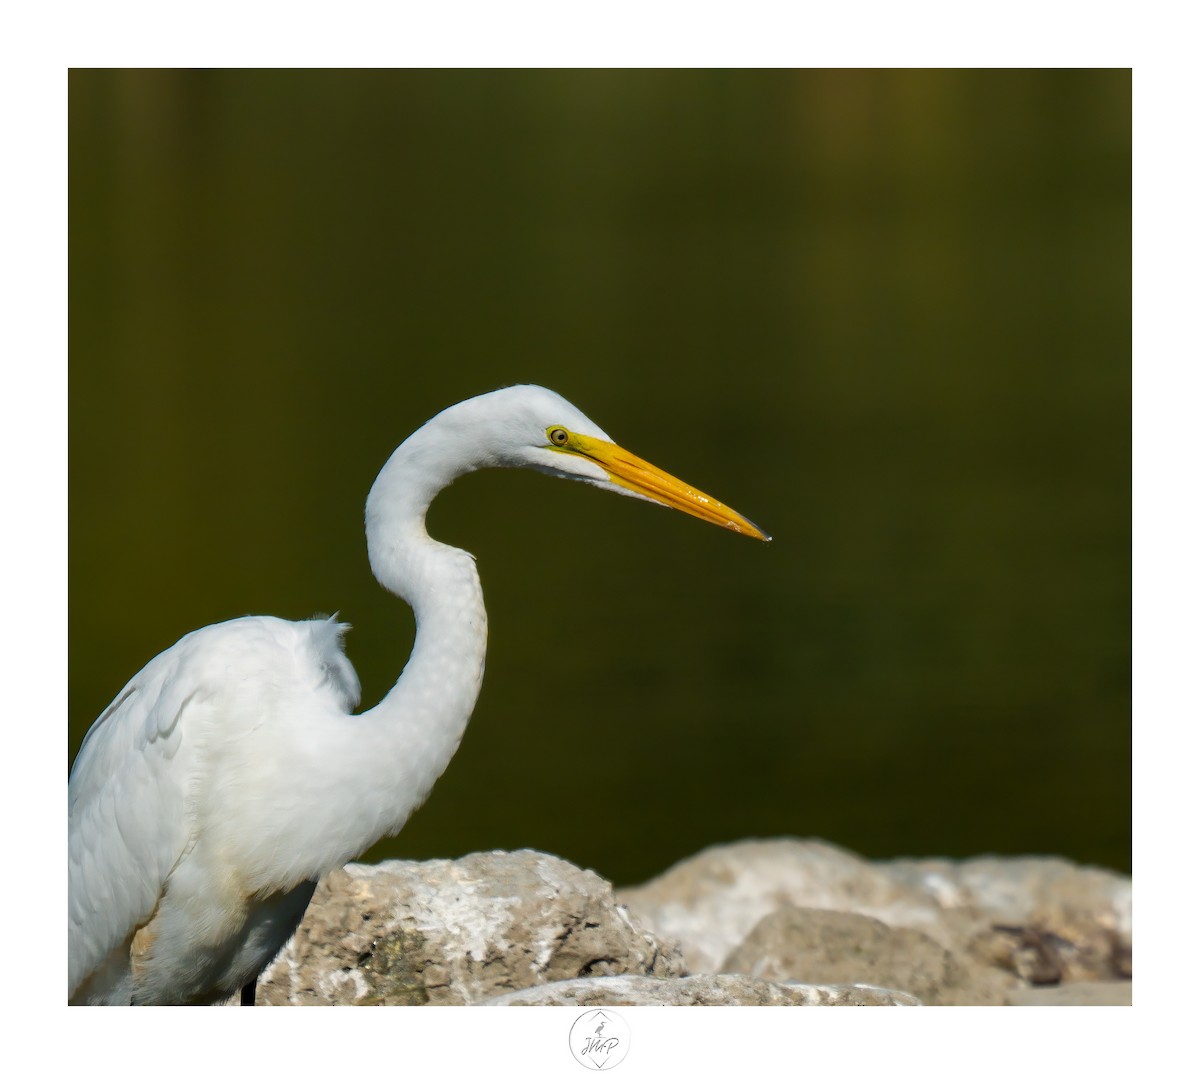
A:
(528, 928)
(1080, 994)
(1023, 888)
(1045, 920)
(711, 901)
(703, 990)
(828, 945)
(1038, 920)
(457, 932)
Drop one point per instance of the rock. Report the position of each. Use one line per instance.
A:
(703, 990)
(1041, 956)
(458, 932)
(1023, 888)
(711, 901)
(829, 945)
(1038, 920)
(1045, 920)
(1080, 994)
(528, 928)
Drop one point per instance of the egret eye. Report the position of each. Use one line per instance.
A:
(558, 436)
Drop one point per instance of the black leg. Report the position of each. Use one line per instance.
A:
(248, 993)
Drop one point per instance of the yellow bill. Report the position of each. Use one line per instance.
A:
(630, 472)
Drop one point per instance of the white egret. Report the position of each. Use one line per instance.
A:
(230, 773)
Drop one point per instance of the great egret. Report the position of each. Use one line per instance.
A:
(230, 774)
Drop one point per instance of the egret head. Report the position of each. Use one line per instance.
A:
(538, 429)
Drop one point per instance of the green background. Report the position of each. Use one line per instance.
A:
(884, 314)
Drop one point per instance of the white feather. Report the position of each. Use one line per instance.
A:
(229, 774)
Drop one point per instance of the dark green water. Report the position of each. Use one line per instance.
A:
(886, 315)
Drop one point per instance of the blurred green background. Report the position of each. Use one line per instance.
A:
(885, 314)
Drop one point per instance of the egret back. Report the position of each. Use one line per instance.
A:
(146, 775)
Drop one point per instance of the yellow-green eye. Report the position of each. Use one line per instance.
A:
(558, 436)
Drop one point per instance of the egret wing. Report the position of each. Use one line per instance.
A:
(127, 811)
(137, 791)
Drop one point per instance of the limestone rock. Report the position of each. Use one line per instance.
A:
(1038, 920)
(528, 928)
(458, 932)
(703, 990)
(794, 944)
(1080, 994)
(711, 901)
(1045, 920)
(1023, 888)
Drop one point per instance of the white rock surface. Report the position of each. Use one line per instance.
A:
(703, 990)
(457, 932)
(775, 922)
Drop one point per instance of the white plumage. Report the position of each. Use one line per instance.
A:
(230, 774)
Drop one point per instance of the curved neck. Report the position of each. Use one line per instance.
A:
(417, 727)
(405, 743)
(440, 682)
